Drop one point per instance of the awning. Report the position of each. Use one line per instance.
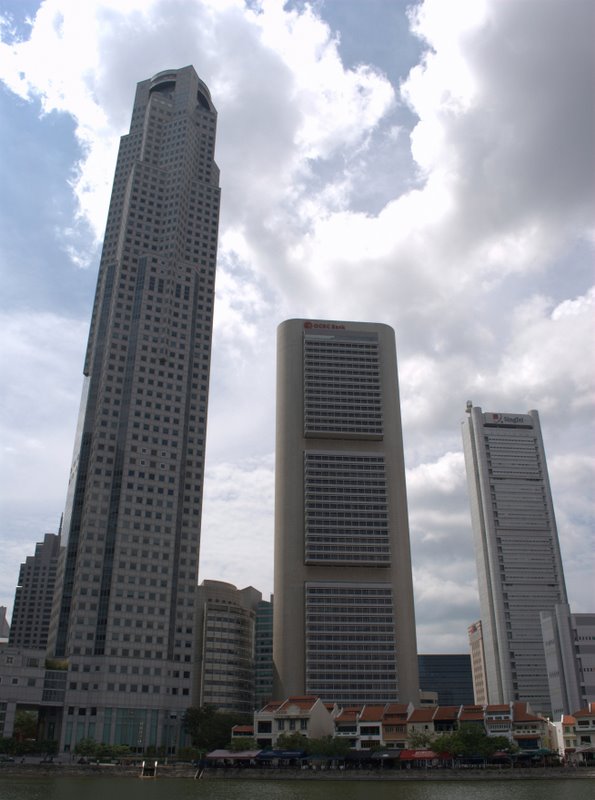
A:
(417, 755)
(241, 755)
(269, 755)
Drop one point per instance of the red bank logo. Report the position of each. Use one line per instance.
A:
(508, 419)
(327, 326)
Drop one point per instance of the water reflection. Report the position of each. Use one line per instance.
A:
(183, 789)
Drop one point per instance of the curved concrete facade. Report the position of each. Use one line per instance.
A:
(344, 624)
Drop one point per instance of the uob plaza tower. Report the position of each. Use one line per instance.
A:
(122, 617)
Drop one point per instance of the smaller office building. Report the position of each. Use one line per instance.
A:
(570, 658)
(449, 675)
(478, 663)
(225, 646)
(263, 653)
(33, 596)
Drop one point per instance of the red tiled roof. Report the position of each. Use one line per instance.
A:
(470, 716)
(273, 705)
(303, 703)
(589, 711)
(421, 715)
(446, 712)
(521, 713)
(347, 715)
(497, 709)
(568, 720)
(372, 714)
(243, 729)
(395, 709)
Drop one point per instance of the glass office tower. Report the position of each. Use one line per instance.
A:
(519, 567)
(123, 615)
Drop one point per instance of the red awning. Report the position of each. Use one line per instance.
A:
(417, 755)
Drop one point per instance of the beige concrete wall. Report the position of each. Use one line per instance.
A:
(291, 573)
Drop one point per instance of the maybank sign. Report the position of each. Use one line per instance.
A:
(508, 419)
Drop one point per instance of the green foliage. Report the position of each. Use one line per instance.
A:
(210, 729)
(330, 746)
(48, 746)
(471, 740)
(240, 743)
(89, 748)
(25, 725)
(113, 751)
(14, 747)
(421, 741)
(8, 746)
(293, 741)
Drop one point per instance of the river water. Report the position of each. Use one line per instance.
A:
(24, 788)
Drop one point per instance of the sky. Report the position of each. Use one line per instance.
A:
(427, 165)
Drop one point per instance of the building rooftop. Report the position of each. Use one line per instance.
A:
(501, 708)
(292, 704)
(348, 715)
(446, 712)
(372, 714)
(589, 711)
(522, 714)
(271, 706)
(396, 709)
(246, 729)
(422, 715)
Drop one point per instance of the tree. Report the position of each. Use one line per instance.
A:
(420, 740)
(48, 746)
(86, 747)
(210, 729)
(293, 741)
(331, 746)
(112, 751)
(25, 725)
(471, 740)
(239, 743)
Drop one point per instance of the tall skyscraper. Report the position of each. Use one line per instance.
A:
(519, 567)
(344, 626)
(123, 619)
(34, 594)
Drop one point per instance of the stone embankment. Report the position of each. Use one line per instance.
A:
(229, 773)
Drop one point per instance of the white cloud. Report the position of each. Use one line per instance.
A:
(551, 354)
(237, 527)
(445, 476)
(468, 256)
(40, 364)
